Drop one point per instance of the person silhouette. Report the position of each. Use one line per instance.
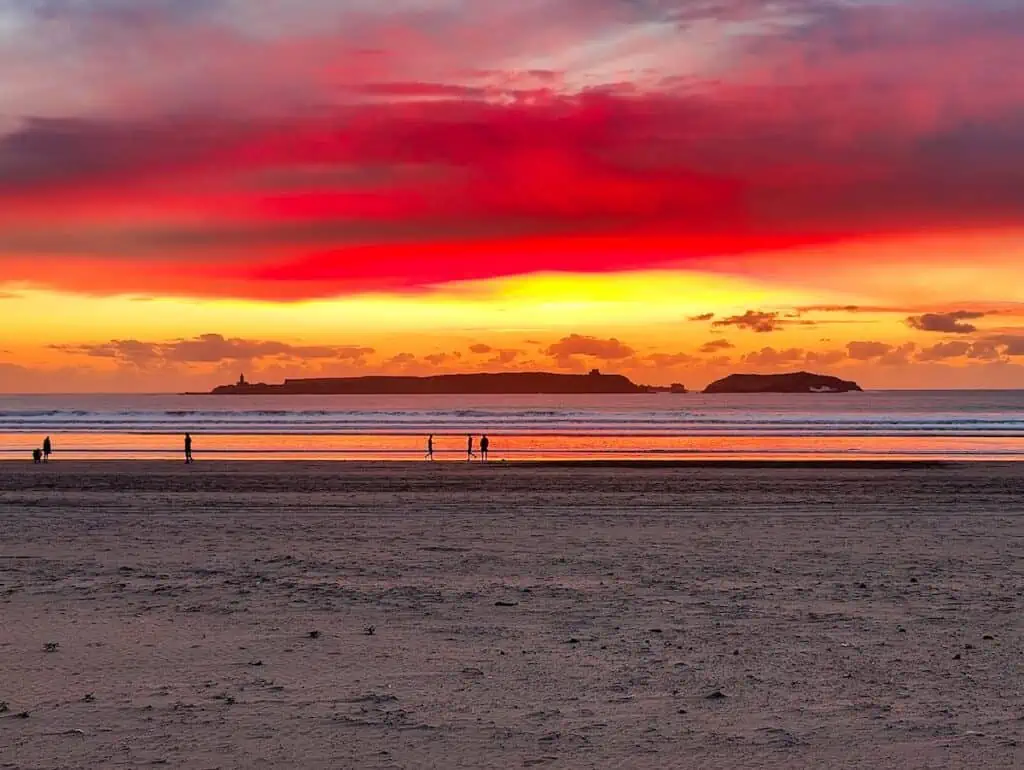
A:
(485, 444)
(188, 448)
(430, 447)
(47, 449)
(469, 448)
(37, 455)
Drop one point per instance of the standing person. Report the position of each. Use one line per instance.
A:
(37, 455)
(484, 444)
(430, 447)
(469, 448)
(47, 449)
(188, 448)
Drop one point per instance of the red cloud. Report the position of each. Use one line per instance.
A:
(421, 146)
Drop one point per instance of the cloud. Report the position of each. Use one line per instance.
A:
(769, 356)
(505, 356)
(211, 348)
(948, 323)
(849, 309)
(995, 348)
(480, 349)
(990, 350)
(579, 345)
(944, 350)
(701, 317)
(825, 357)
(754, 320)
(716, 346)
(866, 351)
(829, 309)
(132, 351)
(285, 150)
(438, 359)
(1007, 345)
(670, 360)
(898, 356)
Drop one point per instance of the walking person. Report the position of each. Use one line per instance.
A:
(430, 447)
(188, 448)
(47, 449)
(469, 448)
(485, 443)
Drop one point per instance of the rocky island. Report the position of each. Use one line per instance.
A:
(795, 382)
(503, 383)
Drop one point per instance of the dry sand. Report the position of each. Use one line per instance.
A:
(523, 616)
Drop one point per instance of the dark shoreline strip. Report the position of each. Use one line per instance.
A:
(745, 464)
(214, 464)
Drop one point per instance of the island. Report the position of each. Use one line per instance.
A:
(794, 382)
(501, 383)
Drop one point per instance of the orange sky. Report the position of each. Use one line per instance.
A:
(670, 190)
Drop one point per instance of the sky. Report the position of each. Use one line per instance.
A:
(673, 190)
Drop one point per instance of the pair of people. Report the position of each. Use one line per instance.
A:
(485, 445)
(43, 455)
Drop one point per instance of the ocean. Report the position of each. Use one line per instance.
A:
(870, 425)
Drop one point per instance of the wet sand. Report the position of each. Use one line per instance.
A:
(680, 615)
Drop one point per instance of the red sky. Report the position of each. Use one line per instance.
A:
(248, 165)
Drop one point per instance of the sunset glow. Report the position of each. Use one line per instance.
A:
(666, 189)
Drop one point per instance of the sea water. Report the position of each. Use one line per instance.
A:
(877, 424)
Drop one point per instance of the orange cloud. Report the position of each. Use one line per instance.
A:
(949, 323)
(580, 345)
(716, 346)
(210, 348)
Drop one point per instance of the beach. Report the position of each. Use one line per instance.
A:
(405, 615)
